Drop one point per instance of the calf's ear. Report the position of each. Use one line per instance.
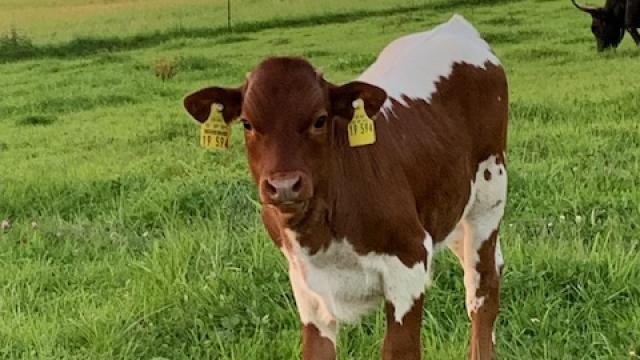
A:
(198, 104)
(342, 98)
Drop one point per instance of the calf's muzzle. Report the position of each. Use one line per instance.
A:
(285, 189)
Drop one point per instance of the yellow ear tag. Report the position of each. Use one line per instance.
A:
(362, 130)
(215, 133)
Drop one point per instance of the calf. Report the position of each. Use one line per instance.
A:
(608, 23)
(361, 224)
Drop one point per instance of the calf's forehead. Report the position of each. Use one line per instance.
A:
(288, 89)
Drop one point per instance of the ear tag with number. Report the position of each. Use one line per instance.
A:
(362, 130)
(215, 133)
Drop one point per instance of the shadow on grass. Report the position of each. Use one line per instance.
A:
(47, 108)
(36, 120)
(84, 46)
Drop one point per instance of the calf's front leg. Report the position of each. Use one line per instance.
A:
(319, 328)
(402, 339)
(405, 280)
(315, 346)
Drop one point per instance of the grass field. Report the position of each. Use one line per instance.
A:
(130, 242)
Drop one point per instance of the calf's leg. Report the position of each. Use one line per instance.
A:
(481, 256)
(405, 279)
(315, 346)
(484, 299)
(320, 328)
(482, 268)
(402, 340)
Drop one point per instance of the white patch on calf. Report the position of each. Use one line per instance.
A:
(412, 65)
(491, 195)
(402, 285)
(338, 284)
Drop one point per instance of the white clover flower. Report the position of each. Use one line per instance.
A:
(5, 224)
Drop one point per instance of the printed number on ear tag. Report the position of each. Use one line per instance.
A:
(215, 133)
(362, 130)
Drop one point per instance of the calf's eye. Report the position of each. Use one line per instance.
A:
(246, 124)
(322, 120)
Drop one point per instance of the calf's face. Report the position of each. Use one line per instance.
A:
(291, 118)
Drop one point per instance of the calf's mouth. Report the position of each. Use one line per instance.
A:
(298, 207)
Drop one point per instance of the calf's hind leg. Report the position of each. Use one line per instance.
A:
(481, 256)
(482, 271)
(483, 297)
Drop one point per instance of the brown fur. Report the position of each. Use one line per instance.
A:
(402, 341)
(314, 346)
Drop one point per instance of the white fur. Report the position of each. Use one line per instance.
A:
(412, 65)
(486, 212)
(337, 284)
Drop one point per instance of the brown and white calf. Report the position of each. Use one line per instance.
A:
(361, 224)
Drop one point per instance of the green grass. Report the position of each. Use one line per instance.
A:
(147, 247)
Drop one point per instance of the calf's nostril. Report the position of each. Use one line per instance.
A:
(269, 188)
(297, 185)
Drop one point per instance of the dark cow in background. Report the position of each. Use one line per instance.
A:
(359, 225)
(610, 22)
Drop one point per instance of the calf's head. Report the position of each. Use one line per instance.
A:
(604, 26)
(291, 118)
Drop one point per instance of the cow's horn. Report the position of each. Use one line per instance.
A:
(588, 9)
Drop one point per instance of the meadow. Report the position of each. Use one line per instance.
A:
(128, 241)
